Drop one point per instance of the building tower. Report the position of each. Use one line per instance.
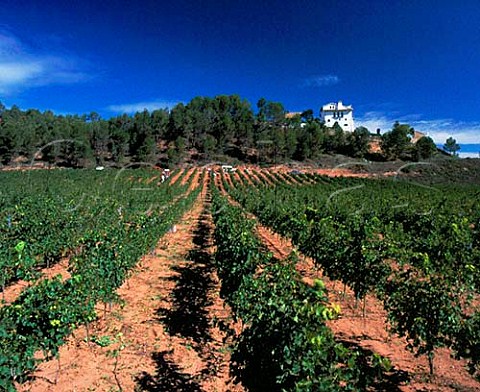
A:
(339, 113)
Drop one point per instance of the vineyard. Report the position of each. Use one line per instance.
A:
(247, 281)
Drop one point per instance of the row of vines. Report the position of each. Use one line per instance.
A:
(104, 221)
(285, 343)
(415, 247)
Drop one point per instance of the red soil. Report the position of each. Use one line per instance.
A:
(371, 332)
(238, 178)
(186, 178)
(246, 176)
(219, 184)
(263, 178)
(195, 180)
(151, 179)
(289, 179)
(12, 292)
(253, 177)
(228, 179)
(332, 172)
(176, 176)
(169, 334)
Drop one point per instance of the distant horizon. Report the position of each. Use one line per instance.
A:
(469, 150)
(474, 147)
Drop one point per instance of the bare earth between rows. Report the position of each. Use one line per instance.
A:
(167, 335)
(371, 332)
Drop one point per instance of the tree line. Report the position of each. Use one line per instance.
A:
(203, 129)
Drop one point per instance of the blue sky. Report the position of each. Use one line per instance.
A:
(412, 61)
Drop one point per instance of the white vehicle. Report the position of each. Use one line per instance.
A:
(228, 168)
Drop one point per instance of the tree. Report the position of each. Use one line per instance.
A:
(269, 126)
(244, 121)
(209, 145)
(425, 147)
(304, 143)
(311, 141)
(119, 130)
(98, 136)
(279, 143)
(307, 115)
(176, 151)
(261, 106)
(291, 142)
(318, 136)
(451, 146)
(7, 144)
(359, 142)
(177, 121)
(335, 140)
(142, 142)
(159, 122)
(270, 112)
(395, 144)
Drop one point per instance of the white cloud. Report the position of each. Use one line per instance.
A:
(22, 68)
(438, 129)
(321, 80)
(374, 121)
(15, 73)
(465, 133)
(141, 106)
(468, 154)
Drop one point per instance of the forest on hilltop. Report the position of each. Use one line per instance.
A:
(204, 129)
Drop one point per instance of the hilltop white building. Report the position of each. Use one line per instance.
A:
(332, 113)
